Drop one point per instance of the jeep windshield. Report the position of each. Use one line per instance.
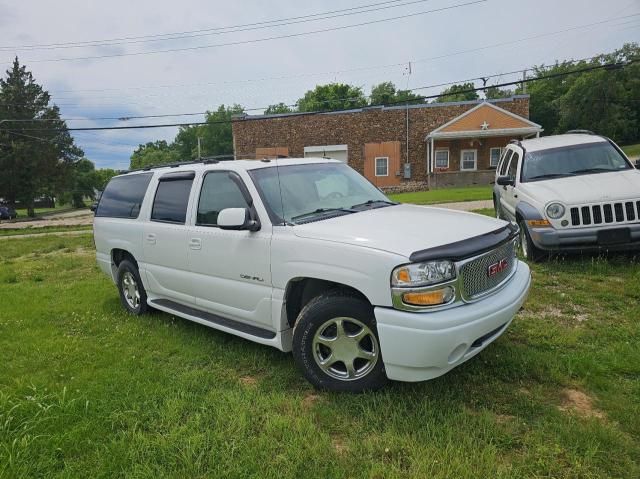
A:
(574, 160)
(297, 194)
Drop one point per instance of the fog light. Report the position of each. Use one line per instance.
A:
(429, 298)
(564, 223)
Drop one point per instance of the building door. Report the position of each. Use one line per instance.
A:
(382, 163)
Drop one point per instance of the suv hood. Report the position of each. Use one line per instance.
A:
(572, 190)
(400, 229)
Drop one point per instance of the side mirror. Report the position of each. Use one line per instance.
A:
(237, 219)
(94, 206)
(505, 181)
(638, 164)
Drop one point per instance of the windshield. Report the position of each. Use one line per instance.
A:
(572, 160)
(301, 193)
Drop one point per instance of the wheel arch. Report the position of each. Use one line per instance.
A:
(300, 290)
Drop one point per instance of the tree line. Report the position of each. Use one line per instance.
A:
(44, 163)
(604, 101)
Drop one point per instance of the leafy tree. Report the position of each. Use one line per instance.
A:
(278, 108)
(493, 93)
(153, 153)
(103, 175)
(604, 101)
(385, 93)
(32, 163)
(458, 93)
(333, 96)
(216, 137)
(81, 183)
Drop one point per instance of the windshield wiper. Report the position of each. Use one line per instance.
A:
(592, 170)
(550, 175)
(320, 211)
(374, 202)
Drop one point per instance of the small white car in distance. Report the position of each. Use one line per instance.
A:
(572, 192)
(307, 256)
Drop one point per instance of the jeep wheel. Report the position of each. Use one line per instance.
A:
(529, 251)
(335, 344)
(132, 294)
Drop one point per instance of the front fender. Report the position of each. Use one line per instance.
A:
(528, 212)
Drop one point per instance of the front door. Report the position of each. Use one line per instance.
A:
(508, 198)
(231, 273)
(165, 239)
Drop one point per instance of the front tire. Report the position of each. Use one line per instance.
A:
(336, 346)
(529, 250)
(132, 293)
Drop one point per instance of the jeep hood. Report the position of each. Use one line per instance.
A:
(400, 229)
(574, 190)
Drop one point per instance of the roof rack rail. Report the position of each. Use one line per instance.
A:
(204, 160)
(579, 132)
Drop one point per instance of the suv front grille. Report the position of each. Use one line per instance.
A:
(607, 213)
(475, 277)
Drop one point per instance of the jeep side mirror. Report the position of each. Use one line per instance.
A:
(505, 181)
(237, 219)
(638, 164)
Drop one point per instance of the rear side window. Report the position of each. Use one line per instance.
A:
(218, 192)
(123, 196)
(505, 162)
(513, 166)
(172, 198)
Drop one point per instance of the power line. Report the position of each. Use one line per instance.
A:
(608, 67)
(260, 40)
(424, 87)
(219, 31)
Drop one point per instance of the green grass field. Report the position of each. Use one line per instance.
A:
(445, 195)
(89, 391)
(632, 151)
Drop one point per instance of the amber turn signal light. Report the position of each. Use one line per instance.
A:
(538, 223)
(429, 298)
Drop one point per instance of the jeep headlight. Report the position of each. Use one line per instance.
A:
(555, 211)
(423, 274)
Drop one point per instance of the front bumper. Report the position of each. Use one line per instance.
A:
(420, 346)
(583, 239)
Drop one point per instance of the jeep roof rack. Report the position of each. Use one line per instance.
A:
(579, 132)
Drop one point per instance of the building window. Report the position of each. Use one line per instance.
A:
(382, 166)
(494, 157)
(442, 159)
(468, 160)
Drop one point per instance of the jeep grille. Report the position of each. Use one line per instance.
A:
(606, 213)
(474, 274)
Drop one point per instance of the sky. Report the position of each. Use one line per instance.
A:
(214, 65)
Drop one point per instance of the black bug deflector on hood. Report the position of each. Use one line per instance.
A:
(469, 247)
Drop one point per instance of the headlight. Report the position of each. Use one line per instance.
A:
(423, 274)
(555, 211)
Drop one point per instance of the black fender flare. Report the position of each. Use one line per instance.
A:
(527, 212)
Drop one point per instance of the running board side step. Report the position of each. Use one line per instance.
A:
(214, 319)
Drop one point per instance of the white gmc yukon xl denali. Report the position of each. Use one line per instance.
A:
(307, 256)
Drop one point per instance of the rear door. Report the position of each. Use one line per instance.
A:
(231, 272)
(165, 239)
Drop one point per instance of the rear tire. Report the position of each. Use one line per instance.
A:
(132, 293)
(336, 346)
(530, 251)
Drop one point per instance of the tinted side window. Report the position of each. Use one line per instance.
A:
(218, 192)
(505, 162)
(172, 198)
(123, 196)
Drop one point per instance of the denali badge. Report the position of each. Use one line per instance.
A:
(498, 267)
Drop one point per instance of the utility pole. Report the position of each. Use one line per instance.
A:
(524, 83)
(407, 88)
(199, 149)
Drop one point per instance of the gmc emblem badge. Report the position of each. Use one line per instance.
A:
(498, 267)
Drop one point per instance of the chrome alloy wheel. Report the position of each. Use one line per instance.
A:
(345, 349)
(130, 290)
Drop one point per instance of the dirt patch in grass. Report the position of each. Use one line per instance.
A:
(339, 445)
(309, 400)
(578, 402)
(248, 381)
(574, 314)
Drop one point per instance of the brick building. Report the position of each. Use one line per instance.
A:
(399, 147)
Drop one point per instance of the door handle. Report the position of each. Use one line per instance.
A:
(151, 238)
(195, 243)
